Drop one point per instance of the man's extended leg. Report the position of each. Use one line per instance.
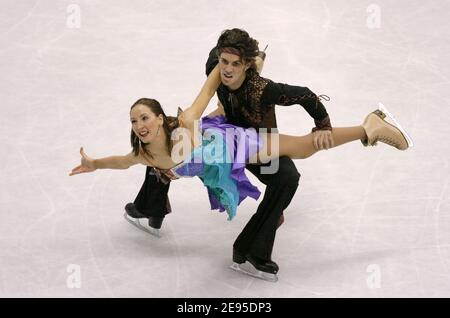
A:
(257, 238)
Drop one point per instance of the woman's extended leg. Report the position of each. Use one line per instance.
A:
(374, 129)
(301, 147)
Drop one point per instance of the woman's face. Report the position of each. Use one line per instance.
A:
(145, 123)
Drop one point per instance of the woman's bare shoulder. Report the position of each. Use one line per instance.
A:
(141, 158)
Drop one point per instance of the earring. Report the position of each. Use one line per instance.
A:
(157, 132)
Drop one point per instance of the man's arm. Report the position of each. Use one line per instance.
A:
(286, 95)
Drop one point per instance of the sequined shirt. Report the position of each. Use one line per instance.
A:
(253, 103)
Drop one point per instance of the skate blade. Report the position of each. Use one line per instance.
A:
(409, 140)
(249, 269)
(137, 224)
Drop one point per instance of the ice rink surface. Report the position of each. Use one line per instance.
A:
(365, 222)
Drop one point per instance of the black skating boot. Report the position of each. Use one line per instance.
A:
(132, 215)
(155, 221)
(259, 263)
(131, 210)
(255, 266)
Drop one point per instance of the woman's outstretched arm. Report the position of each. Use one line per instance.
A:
(195, 111)
(89, 164)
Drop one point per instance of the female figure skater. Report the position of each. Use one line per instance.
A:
(217, 151)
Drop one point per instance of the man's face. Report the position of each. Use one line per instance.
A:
(232, 70)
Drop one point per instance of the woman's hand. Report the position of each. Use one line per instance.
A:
(87, 164)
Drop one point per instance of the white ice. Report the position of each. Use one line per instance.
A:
(365, 222)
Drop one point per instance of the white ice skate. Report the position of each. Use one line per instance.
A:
(142, 227)
(248, 269)
(380, 130)
(396, 124)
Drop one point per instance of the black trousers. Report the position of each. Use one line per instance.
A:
(258, 236)
(152, 200)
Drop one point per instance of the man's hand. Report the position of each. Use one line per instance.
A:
(323, 139)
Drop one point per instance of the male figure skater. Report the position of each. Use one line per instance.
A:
(248, 100)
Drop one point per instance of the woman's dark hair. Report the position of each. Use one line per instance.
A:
(169, 124)
(240, 40)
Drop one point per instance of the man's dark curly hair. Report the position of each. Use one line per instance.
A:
(240, 40)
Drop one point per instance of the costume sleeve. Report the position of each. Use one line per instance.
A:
(212, 60)
(287, 95)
